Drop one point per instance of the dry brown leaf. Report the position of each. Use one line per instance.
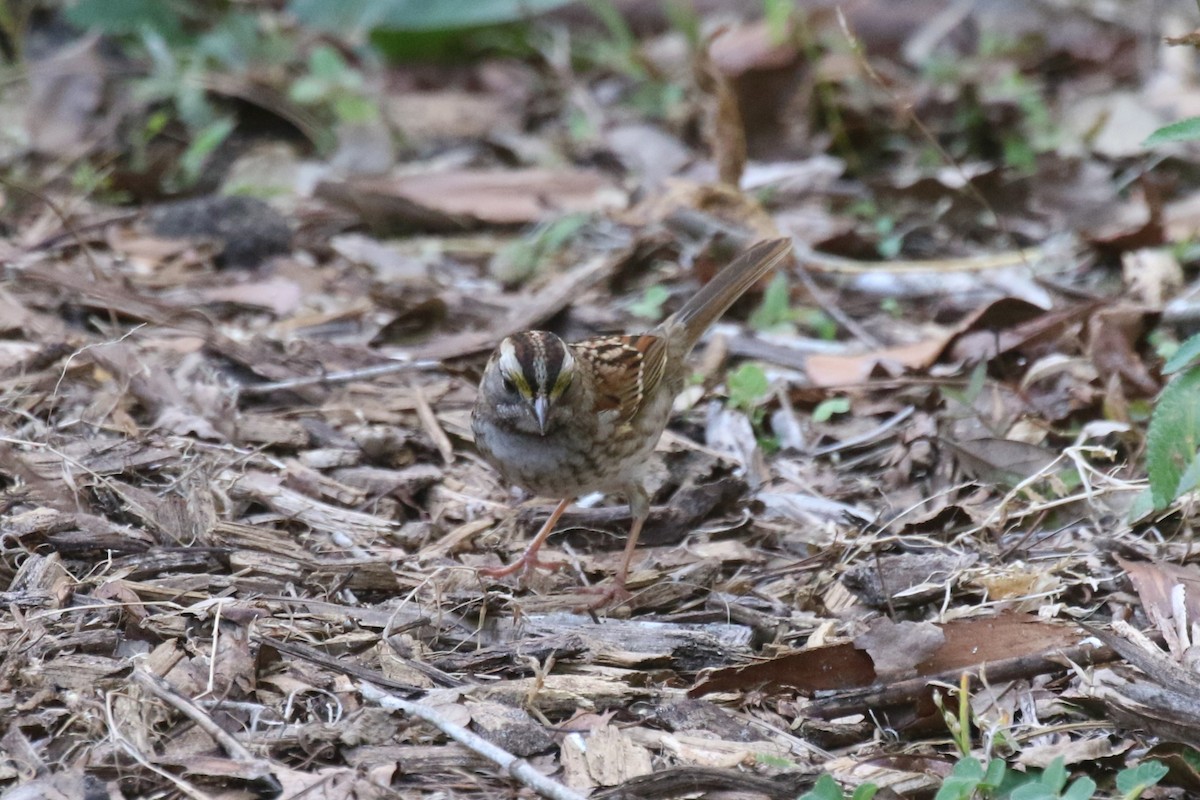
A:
(1113, 336)
(66, 97)
(751, 46)
(969, 643)
(897, 647)
(450, 114)
(1153, 276)
(454, 200)
(1072, 751)
(1001, 326)
(1000, 460)
(835, 370)
(1170, 595)
(278, 295)
(607, 757)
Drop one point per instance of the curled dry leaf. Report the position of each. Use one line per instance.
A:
(1004, 324)
(1170, 595)
(1113, 336)
(896, 648)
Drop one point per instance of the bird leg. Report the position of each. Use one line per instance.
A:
(529, 560)
(639, 506)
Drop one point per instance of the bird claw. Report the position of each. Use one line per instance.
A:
(525, 565)
(613, 593)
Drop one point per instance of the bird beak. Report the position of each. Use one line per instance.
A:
(541, 410)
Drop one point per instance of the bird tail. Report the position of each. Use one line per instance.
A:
(707, 305)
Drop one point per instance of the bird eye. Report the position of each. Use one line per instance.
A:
(509, 386)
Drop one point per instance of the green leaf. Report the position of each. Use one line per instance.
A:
(890, 247)
(1055, 775)
(156, 123)
(237, 40)
(827, 408)
(747, 385)
(345, 17)
(865, 791)
(775, 307)
(969, 768)
(1190, 756)
(124, 17)
(962, 781)
(956, 789)
(778, 14)
(815, 320)
(650, 306)
(1080, 789)
(1188, 352)
(1186, 130)
(1141, 507)
(996, 770)
(349, 107)
(826, 788)
(771, 760)
(1033, 791)
(325, 62)
(415, 15)
(1133, 781)
(1190, 478)
(1019, 155)
(192, 104)
(307, 90)
(558, 233)
(976, 383)
(206, 141)
(520, 259)
(621, 35)
(1173, 437)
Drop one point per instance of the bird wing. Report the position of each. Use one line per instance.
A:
(627, 369)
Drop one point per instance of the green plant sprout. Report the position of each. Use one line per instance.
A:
(748, 387)
(775, 313)
(970, 778)
(520, 259)
(1173, 437)
(826, 409)
(826, 788)
(333, 83)
(650, 306)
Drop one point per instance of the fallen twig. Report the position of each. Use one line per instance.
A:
(519, 768)
(537, 309)
(165, 692)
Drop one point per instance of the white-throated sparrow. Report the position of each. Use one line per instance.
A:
(563, 420)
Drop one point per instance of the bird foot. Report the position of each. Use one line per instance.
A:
(526, 564)
(607, 594)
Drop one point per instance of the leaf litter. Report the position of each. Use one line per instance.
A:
(242, 515)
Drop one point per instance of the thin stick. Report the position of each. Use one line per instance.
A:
(430, 422)
(830, 307)
(167, 693)
(123, 742)
(519, 768)
(1029, 665)
(333, 378)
